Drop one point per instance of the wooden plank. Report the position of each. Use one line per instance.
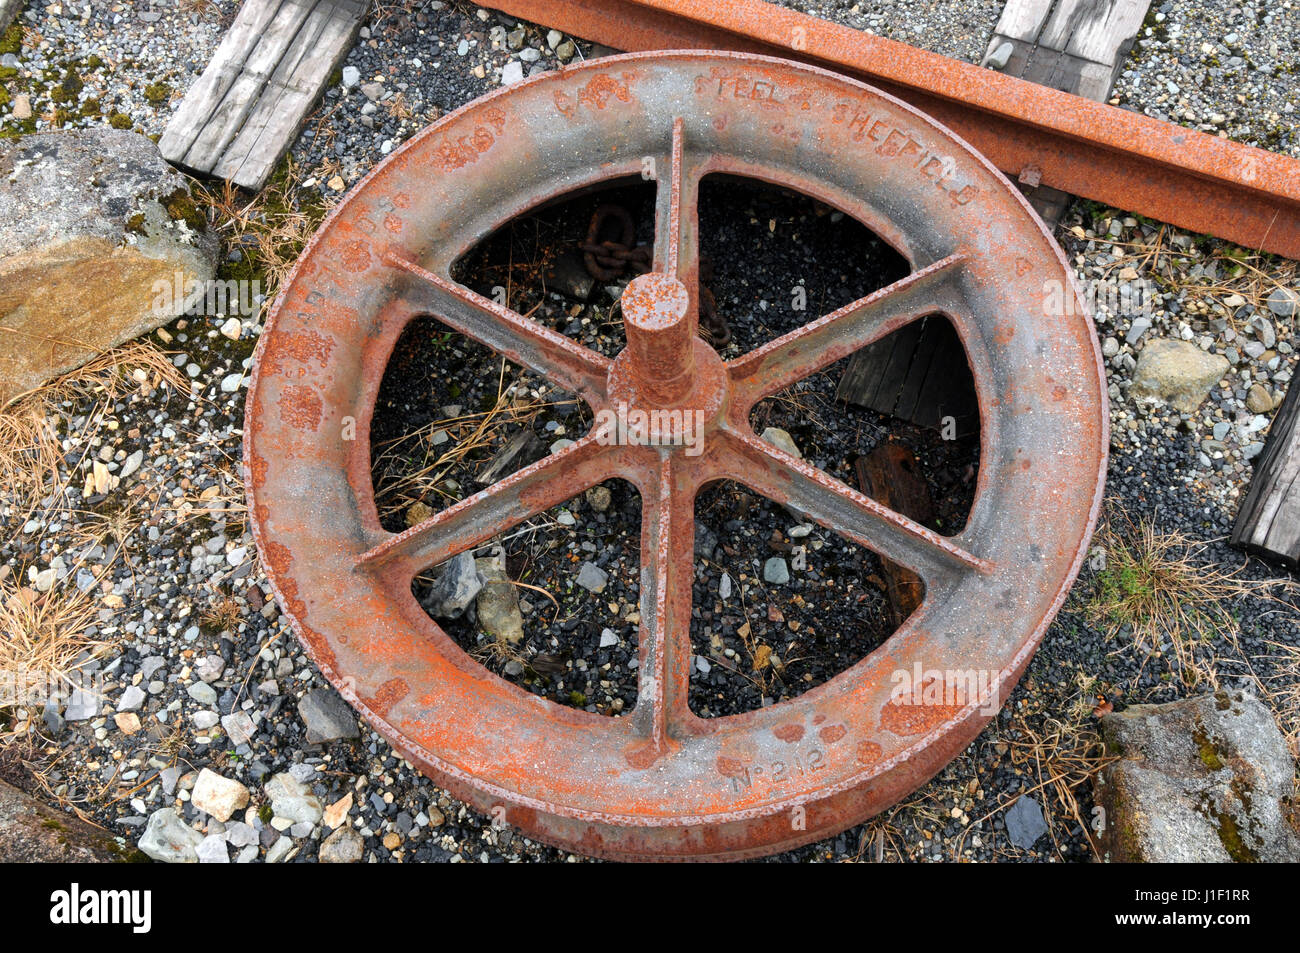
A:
(1023, 19)
(891, 475)
(1077, 46)
(244, 112)
(1268, 522)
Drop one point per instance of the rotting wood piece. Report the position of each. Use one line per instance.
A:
(1268, 522)
(891, 475)
(246, 109)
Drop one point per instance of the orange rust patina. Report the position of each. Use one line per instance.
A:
(659, 781)
(1134, 162)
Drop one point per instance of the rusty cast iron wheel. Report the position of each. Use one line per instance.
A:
(660, 782)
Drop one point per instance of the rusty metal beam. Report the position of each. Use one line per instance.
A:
(1134, 162)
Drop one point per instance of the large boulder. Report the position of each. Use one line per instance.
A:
(1178, 373)
(93, 225)
(8, 11)
(1202, 780)
(31, 832)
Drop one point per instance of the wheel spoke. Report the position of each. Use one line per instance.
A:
(677, 218)
(507, 332)
(805, 351)
(786, 479)
(667, 574)
(477, 519)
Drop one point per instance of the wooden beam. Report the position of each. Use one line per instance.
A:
(1268, 522)
(247, 108)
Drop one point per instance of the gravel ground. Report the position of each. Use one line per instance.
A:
(205, 673)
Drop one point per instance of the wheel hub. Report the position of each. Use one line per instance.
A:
(660, 782)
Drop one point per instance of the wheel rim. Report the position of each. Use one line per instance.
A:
(661, 782)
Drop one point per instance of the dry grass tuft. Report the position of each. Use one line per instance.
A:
(412, 468)
(44, 634)
(1157, 586)
(1283, 691)
(1059, 752)
(30, 451)
(271, 228)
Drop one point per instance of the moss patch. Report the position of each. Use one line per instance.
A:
(69, 87)
(181, 208)
(12, 40)
(157, 93)
(119, 120)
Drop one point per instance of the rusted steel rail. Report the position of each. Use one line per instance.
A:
(1134, 162)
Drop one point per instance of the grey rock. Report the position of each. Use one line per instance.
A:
(82, 705)
(999, 58)
(239, 727)
(131, 464)
(210, 667)
(169, 840)
(1179, 373)
(203, 693)
(592, 578)
(351, 76)
(279, 850)
(456, 586)
(132, 698)
(292, 800)
(512, 72)
(213, 850)
(344, 846)
(99, 202)
(608, 637)
(1284, 302)
(776, 572)
(706, 541)
(168, 777)
(497, 605)
(54, 723)
(239, 834)
(1025, 823)
(1264, 330)
(1137, 328)
(782, 440)
(327, 717)
(1200, 780)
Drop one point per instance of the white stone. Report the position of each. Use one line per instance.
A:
(217, 796)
